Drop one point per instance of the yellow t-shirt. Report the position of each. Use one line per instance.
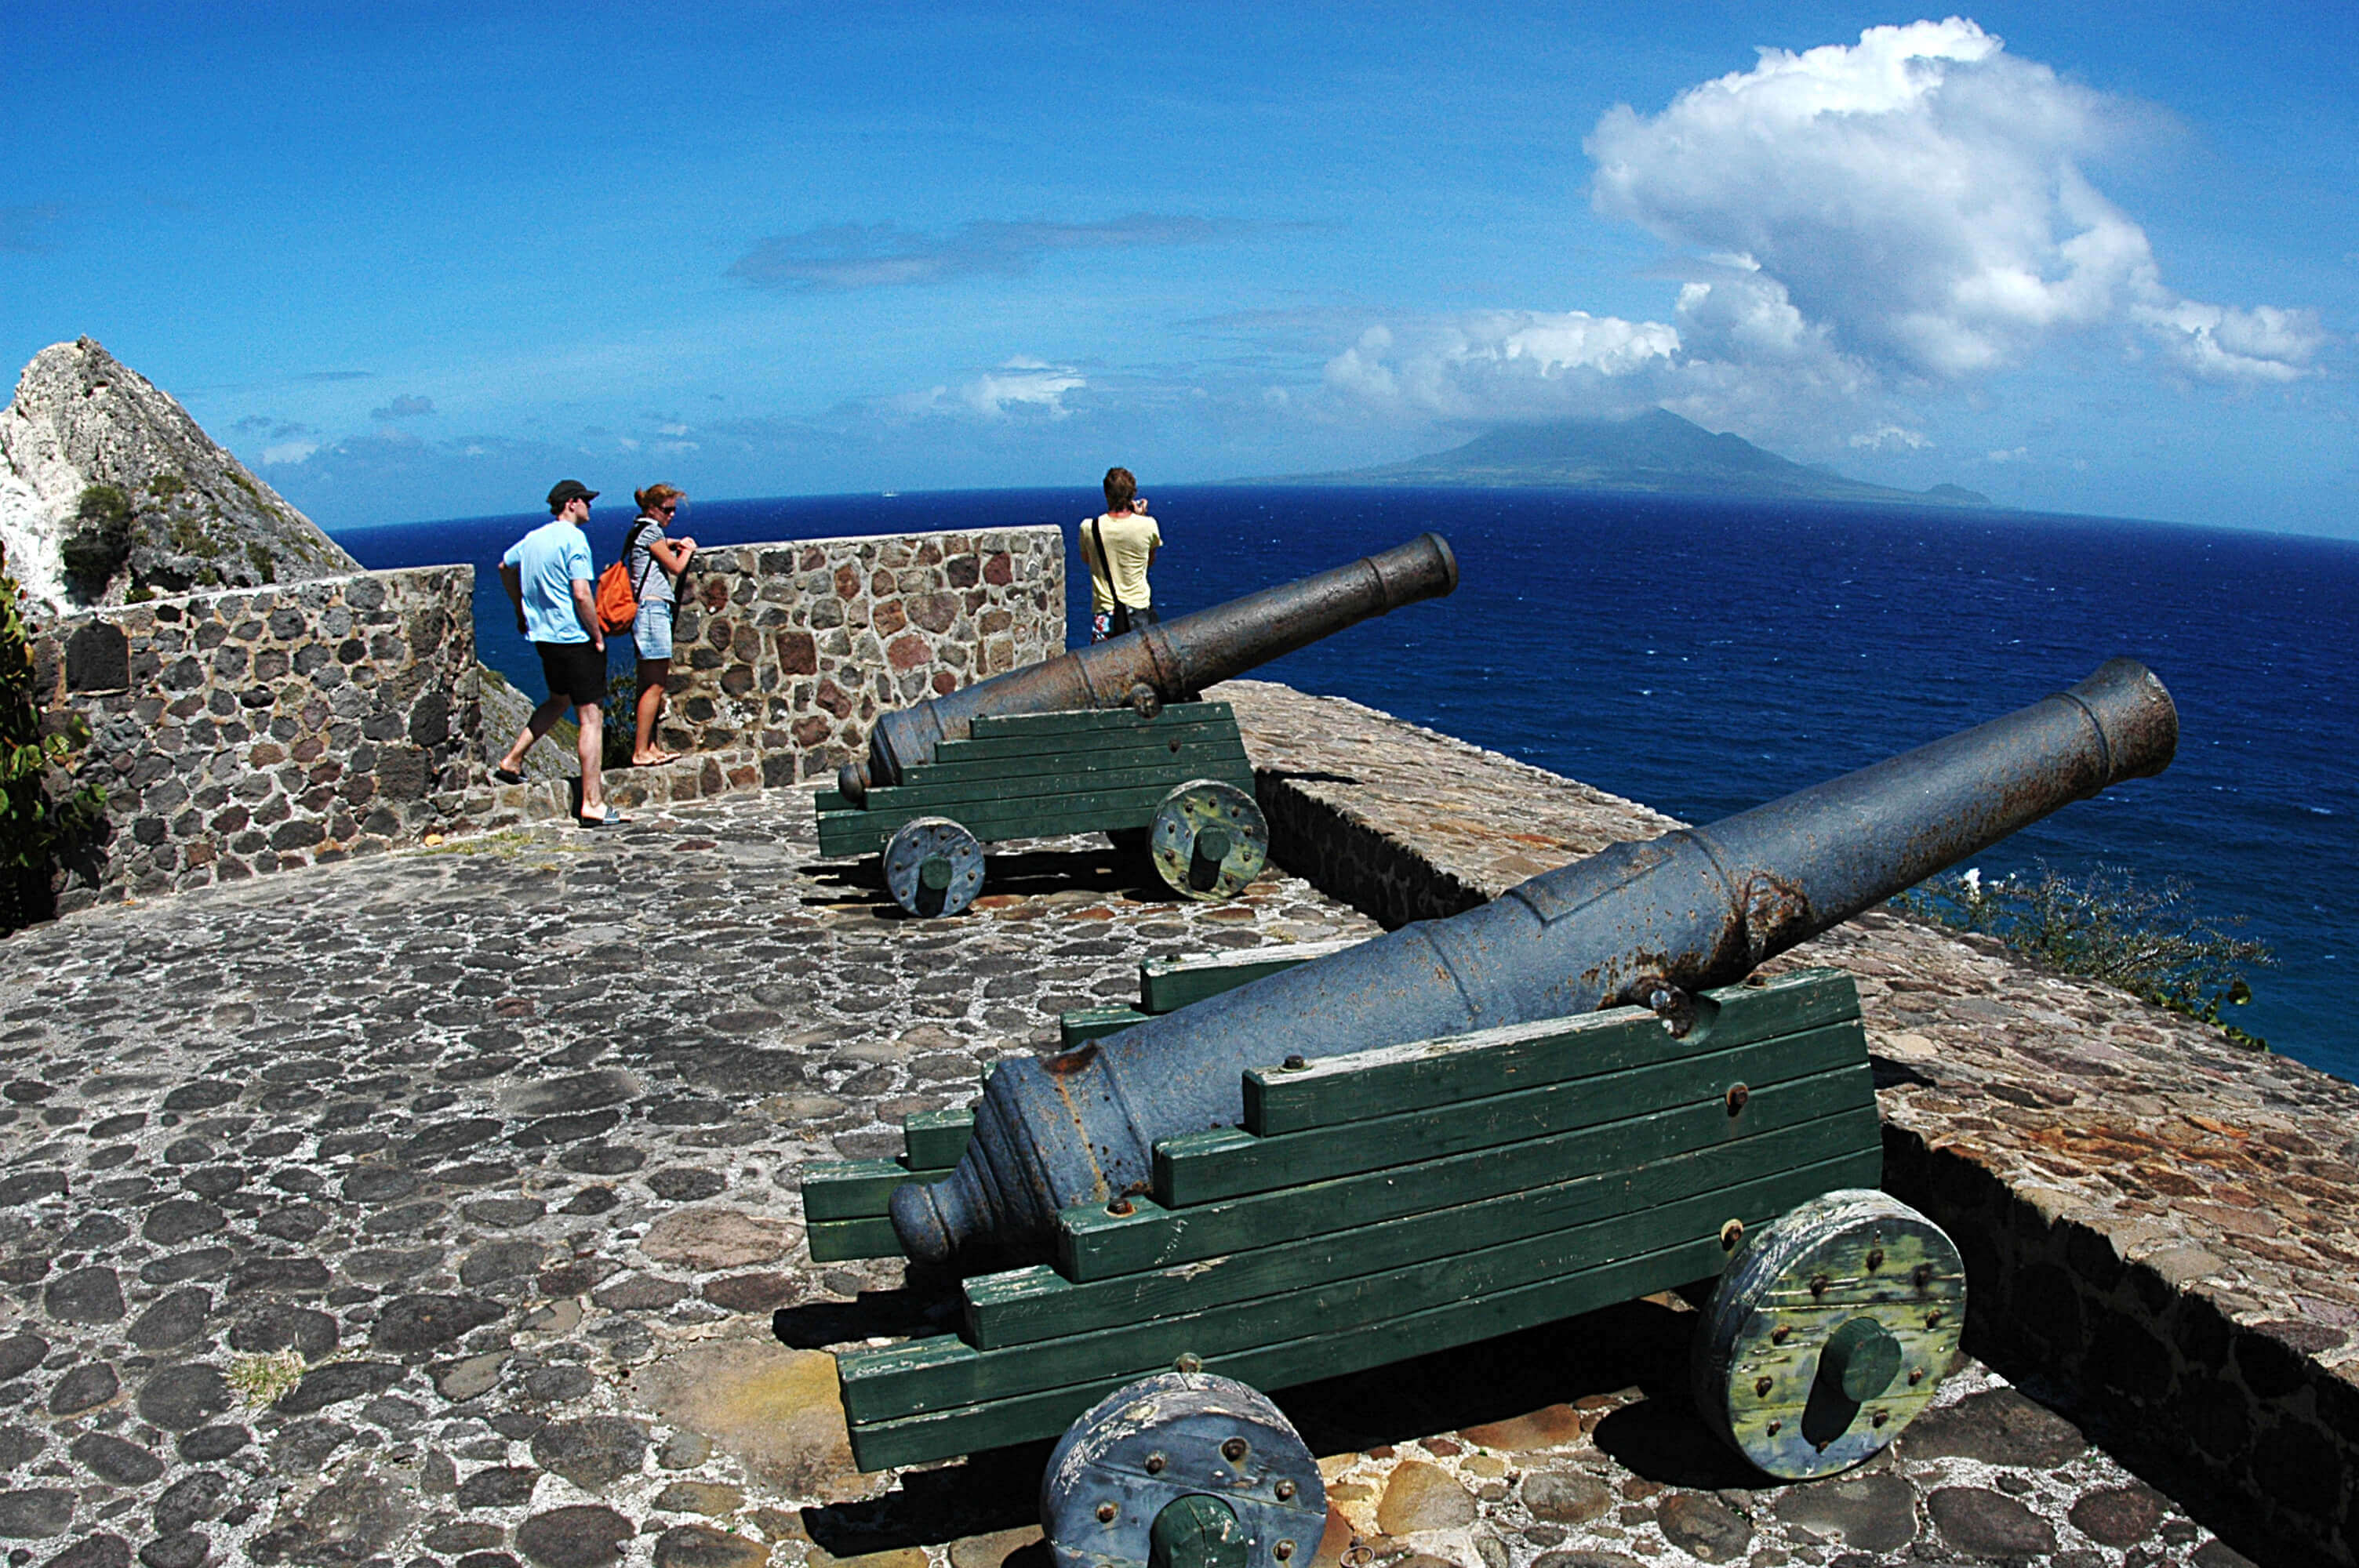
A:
(1129, 540)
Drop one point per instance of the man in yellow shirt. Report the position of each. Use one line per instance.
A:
(1119, 545)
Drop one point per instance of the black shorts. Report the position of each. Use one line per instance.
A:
(575, 671)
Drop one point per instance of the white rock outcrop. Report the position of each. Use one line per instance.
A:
(185, 513)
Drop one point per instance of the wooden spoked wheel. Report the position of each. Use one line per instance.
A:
(1829, 1332)
(1209, 840)
(933, 866)
(1183, 1470)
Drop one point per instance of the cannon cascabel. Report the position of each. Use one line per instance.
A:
(1173, 660)
(1642, 923)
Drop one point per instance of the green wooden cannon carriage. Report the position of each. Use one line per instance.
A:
(1380, 1206)
(1174, 774)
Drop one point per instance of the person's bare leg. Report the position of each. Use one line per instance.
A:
(591, 748)
(653, 672)
(546, 714)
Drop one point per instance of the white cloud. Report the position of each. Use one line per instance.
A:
(1022, 381)
(1021, 385)
(1884, 436)
(2012, 455)
(1506, 363)
(1915, 198)
(290, 451)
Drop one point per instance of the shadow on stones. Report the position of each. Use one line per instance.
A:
(1890, 1074)
(982, 1493)
(1031, 873)
(1024, 873)
(1638, 1343)
(1305, 775)
(814, 1325)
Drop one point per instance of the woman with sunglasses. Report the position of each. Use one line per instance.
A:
(656, 564)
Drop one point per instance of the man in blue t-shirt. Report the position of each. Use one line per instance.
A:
(549, 574)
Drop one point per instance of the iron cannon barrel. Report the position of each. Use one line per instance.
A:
(1648, 923)
(1174, 658)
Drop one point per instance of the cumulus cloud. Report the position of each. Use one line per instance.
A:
(1887, 435)
(407, 406)
(1915, 200)
(1506, 363)
(290, 451)
(885, 255)
(1019, 385)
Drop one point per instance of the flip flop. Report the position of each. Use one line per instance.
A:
(507, 775)
(613, 818)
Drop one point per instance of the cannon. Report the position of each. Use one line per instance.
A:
(1112, 737)
(1645, 923)
(1284, 1166)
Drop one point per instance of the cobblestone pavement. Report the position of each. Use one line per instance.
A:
(436, 1210)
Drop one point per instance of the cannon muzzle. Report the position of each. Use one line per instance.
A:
(1648, 923)
(1169, 662)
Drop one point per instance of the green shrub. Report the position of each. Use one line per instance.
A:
(101, 541)
(621, 732)
(264, 561)
(2108, 927)
(36, 822)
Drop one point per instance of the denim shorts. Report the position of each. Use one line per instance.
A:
(652, 630)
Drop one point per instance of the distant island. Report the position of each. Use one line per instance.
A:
(1656, 451)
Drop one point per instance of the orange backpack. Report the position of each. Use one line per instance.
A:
(617, 601)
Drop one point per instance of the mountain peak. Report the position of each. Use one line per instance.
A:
(109, 490)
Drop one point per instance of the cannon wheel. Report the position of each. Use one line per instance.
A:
(1209, 840)
(1182, 1470)
(1829, 1330)
(933, 866)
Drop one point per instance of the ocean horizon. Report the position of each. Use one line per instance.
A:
(1702, 656)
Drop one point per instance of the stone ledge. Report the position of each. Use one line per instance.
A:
(705, 776)
(2158, 1224)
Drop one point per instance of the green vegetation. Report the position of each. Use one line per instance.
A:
(264, 1379)
(37, 820)
(165, 486)
(2107, 926)
(264, 561)
(101, 541)
(188, 537)
(620, 732)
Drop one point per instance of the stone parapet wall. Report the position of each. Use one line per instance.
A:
(2158, 1226)
(256, 729)
(791, 650)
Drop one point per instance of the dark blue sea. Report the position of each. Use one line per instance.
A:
(1703, 656)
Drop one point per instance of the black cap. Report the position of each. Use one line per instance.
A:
(569, 490)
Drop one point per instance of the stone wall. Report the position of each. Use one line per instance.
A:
(261, 728)
(257, 729)
(791, 650)
(2157, 1224)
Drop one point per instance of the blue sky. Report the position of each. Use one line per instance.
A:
(419, 261)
